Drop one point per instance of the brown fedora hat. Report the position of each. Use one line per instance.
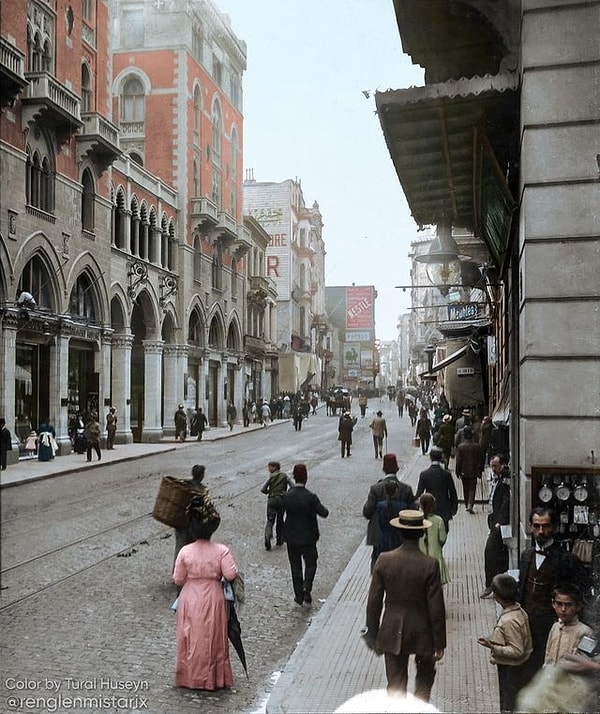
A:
(411, 520)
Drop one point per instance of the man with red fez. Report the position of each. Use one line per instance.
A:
(301, 533)
(414, 617)
(377, 493)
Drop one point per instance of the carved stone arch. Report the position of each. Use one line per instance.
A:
(196, 327)
(169, 328)
(216, 331)
(127, 74)
(134, 206)
(86, 264)
(147, 304)
(152, 217)
(39, 244)
(234, 336)
(119, 319)
(6, 271)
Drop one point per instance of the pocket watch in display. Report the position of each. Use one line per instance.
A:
(545, 494)
(581, 492)
(563, 492)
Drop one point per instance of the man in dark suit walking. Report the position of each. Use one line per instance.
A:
(301, 533)
(496, 552)
(468, 466)
(377, 493)
(438, 481)
(541, 568)
(414, 618)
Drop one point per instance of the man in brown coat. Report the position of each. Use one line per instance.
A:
(468, 466)
(414, 619)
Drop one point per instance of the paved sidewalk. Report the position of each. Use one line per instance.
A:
(27, 469)
(332, 664)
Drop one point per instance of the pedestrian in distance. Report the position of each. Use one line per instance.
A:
(510, 643)
(377, 492)
(346, 426)
(46, 441)
(414, 614)
(201, 424)
(496, 551)
(438, 481)
(92, 438)
(468, 467)
(301, 533)
(202, 643)
(423, 430)
(180, 420)
(183, 536)
(111, 428)
(5, 443)
(541, 568)
(378, 428)
(231, 415)
(274, 487)
(444, 438)
(362, 404)
(298, 417)
(265, 414)
(434, 538)
(245, 414)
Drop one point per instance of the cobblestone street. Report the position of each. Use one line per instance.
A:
(87, 572)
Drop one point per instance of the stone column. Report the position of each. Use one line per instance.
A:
(59, 391)
(105, 383)
(174, 365)
(221, 403)
(8, 351)
(205, 376)
(152, 427)
(121, 386)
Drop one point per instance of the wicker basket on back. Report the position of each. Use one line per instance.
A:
(174, 496)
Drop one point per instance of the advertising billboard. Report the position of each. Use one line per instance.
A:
(360, 305)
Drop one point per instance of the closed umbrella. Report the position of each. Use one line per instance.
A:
(234, 632)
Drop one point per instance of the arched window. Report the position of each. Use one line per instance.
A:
(132, 101)
(196, 178)
(234, 277)
(38, 181)
(217, 134)
(87, 201)
(197, 258)
(216, 268)
(81, 301)
(195, 330)
(119, 217)
(86, 89)
(36, 279)
(302, 316)
(197, 113)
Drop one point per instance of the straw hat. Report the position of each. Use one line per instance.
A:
(411, 520)
(466, 412)
(446, 418)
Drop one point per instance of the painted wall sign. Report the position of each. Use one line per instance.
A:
(359, 307)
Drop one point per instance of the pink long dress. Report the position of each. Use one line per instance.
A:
(202, 644)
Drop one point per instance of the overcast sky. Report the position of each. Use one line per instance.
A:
(306, 118)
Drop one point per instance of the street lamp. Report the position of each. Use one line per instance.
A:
(443, 261)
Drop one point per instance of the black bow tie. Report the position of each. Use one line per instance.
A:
(541, 551)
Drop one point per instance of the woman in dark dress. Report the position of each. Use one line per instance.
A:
(46, 443)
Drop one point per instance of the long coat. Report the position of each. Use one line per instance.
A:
(345, 429)
(468, 460)
(414, 619)
(439, 483)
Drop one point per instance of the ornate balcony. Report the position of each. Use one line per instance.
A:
(243, 243)
(49, 103)
(12, 77)
(99, 139)
(254, 346)
(259, 284)
(204, 213)
(226, 229)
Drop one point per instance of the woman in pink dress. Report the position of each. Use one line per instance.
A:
(202, 644)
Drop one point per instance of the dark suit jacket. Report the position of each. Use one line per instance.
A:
(376, 494)
(565, 568)
(301, 509)
(414, 619)
(500, 505)
(468, 460)
(437, 481)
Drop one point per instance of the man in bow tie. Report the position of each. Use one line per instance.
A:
(543, 567)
